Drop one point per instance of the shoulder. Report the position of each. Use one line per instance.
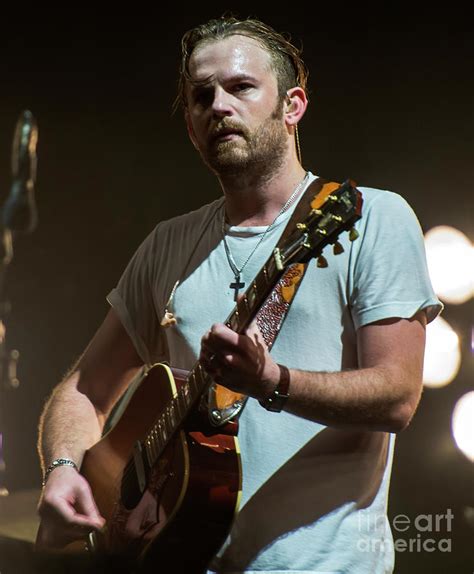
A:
(379, 197)
(178, 232)
(384, 205)
(183, 226)
(191, 222)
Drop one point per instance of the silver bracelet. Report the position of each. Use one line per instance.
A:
(55, 464)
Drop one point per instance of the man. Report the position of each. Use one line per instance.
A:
(316, 474)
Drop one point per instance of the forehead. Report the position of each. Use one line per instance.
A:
(236, 54)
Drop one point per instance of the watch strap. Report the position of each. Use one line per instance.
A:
(277, 399)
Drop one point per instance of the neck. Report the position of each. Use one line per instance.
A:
(253, 200)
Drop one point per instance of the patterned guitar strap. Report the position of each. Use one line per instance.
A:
(222, 403)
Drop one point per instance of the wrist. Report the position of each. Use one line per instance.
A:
(275, 400)
(57, 463)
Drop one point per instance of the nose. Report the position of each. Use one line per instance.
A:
(221, 103)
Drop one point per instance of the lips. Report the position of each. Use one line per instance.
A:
(224, 133)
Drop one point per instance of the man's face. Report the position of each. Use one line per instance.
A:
(234, 113)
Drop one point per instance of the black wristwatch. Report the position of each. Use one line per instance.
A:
(276, 401)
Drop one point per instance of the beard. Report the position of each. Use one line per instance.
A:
(259, 151)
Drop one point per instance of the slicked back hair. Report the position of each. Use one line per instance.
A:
(285, 58)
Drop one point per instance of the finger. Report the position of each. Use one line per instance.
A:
(212, 363)
(254, 333)
(61, 512)
(223, 336)
(86, 503)
(51, 537)
(73, 507)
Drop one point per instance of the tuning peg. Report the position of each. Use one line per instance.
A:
(302, 226)
(337, 248)
(353, 234)
(321, 262)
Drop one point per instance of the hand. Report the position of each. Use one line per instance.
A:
(240, 362)
(67, 509)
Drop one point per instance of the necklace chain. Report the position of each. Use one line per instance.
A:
(233, 265)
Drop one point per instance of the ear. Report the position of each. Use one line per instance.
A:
(295, 106)
(189, 126)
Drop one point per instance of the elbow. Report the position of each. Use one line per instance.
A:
(400, 417)
(402, 414)
(404, 408)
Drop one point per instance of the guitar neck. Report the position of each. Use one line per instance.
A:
(197, 381)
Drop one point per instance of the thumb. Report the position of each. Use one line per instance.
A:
(85, 505)
(255, 334)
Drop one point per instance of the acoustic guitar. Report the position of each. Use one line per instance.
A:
(166, 478)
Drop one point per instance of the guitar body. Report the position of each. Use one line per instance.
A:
(182, 512)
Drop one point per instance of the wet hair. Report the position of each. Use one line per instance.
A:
(285, 58)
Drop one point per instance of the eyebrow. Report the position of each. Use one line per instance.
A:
(196, 84)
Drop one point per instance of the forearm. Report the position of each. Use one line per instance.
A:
(69, 424)
(376, 398)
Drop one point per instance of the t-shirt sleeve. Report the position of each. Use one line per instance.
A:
(133, 301)
(389, 273)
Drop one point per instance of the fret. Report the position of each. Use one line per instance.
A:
(245, 302)
(172, 413)
(185, 395)
(148, 452)
(192, 381)
(178, 406)
(166, 418)
(261, 283)
(270, 267)
(162, 427)
(252, 294)
(234, 321)
(202, 376)
(181, 402)
(159, 432)
(243, 310)
(153, 440)
(265, 274)
(152, 444)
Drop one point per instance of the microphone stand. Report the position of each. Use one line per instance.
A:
(18, 215)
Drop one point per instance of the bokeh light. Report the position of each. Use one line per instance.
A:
(463, 424)
(442, 354)
(450, 257)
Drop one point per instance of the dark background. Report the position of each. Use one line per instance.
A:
(391, 106)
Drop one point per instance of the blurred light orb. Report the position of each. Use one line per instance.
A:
(463, 424)
(442, 354)
(450, 257)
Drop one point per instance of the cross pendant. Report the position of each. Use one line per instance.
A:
(236, 286)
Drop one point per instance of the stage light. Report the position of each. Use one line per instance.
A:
(450, 257)
(463, 424)
(442, 354)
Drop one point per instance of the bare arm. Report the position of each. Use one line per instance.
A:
(382, 394)
(72, 421)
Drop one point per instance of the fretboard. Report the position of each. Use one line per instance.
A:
(189, 394)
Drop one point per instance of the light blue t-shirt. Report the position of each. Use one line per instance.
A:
(314, 497)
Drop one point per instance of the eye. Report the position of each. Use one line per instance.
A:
(242, 87)
(203, 97)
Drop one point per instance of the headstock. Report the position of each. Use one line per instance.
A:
(333, 210)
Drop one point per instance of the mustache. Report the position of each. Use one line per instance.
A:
(226, 127)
